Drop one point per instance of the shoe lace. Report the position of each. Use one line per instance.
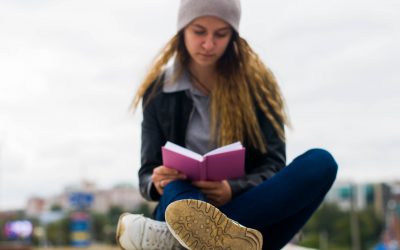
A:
(158, 237)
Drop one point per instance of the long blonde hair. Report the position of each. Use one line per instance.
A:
(244, 82)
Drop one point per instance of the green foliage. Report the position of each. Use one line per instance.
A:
(370, 227)
(104, 225)
(58, 233)
(334, 224)
(114, 213)
(103, 230)
(143, 209)
(331, 221)
(56, 208)
(2, 223)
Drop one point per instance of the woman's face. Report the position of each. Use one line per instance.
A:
(206, 39)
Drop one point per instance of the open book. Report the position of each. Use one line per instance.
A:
(226, 162)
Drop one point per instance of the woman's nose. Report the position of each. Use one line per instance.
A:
(208, 42)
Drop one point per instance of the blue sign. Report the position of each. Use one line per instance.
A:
(80, 229)
(81, 200)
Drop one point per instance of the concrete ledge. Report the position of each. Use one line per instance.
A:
(294, 247)
(14, 247)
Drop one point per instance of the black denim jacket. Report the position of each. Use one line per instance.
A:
(165, 118)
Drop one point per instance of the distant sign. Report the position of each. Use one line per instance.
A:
(19, 229)
(80, 229)
(346, 193)
(81, 200)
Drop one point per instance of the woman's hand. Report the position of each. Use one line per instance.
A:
(217, 192)
(162, 176)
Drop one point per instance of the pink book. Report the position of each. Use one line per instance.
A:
(226, 162)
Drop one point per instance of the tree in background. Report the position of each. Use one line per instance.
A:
(58, 233)
(104, 225)
(330, 228)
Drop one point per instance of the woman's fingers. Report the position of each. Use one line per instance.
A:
(162, 176)
(163, 183)
(163, 172)
(218, 193)
(166, 181)
(156, 177)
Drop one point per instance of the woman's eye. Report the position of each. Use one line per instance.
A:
(221, 35)
(199, 32)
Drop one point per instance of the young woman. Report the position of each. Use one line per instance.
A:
(217, 91)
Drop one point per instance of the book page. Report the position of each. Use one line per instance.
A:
(227, 148)
(183, 151)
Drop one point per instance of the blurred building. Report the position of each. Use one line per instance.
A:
(35, 207)
(127, 197)
(382, 193)
(124, 196)
(8, 215)
(373, 195)
(393, 216)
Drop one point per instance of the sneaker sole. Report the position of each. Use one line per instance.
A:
(120, 230)
(198, 225)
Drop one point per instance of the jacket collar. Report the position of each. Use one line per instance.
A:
(182, 83)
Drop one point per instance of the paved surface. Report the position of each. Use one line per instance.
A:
(101, 247)
(93, 247)
(293, 247)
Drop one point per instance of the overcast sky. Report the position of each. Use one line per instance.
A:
(69, 69)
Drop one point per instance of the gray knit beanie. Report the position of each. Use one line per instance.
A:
(227, 10)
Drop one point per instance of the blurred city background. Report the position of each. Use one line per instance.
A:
(70, 146)
(353, 216)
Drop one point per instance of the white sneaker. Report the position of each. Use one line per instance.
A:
(136, 232)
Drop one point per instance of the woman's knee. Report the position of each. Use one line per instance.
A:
(325, 163)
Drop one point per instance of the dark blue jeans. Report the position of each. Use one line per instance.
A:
(278, 207)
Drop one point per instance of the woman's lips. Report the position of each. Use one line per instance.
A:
(206, 55)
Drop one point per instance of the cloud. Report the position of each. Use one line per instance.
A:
(336, 66)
